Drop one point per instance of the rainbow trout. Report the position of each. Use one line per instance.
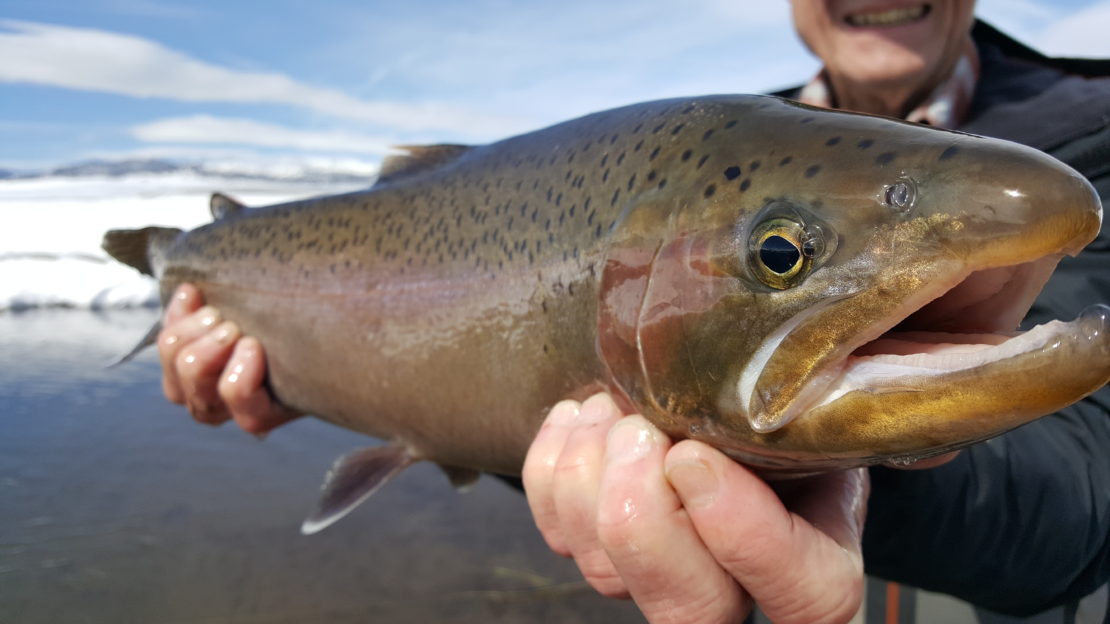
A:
(804, 289)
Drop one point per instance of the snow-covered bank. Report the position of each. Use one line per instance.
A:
(50, 252)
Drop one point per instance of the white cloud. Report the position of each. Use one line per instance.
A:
(1080, 34)
(206, 129)
(96, 60)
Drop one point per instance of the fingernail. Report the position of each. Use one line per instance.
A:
(181, 294)
(595, 409)
(629, 440)
(565, 414)
(695, 483)
(209, 316)
(226, 333)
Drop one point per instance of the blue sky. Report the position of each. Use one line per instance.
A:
(347, 79)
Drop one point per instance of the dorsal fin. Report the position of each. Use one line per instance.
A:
(418, 159)
(221, 206)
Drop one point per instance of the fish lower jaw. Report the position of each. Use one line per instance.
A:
(920, 361)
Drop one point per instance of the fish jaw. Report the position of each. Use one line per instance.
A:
(903, 408)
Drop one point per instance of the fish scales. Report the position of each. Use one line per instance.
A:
(730, 266)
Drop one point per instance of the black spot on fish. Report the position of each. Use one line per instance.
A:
(654, 153)
(656, 129)
(745, 185)
(616, 195)
(687, 154)
(620, 159)
(639, 144)
(812, 171)
(732, 172)
(613, 139)
(865, 143)
(708, 133)
(806, 120)
(662, 183)
(949, 153)
(651, 176)
(605, 176)
(731, 124)
(833, 141)
(677, 129)
(885, 158)
(688, 109)
(631, 181)
(755, 165)
(701, 161)
(786, 161)
(710, 190)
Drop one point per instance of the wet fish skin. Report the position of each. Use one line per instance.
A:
(449, 306)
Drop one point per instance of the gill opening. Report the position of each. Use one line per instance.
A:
(753, 370)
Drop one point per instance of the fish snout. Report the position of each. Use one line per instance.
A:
(1010, 204)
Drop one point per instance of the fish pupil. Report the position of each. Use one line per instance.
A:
(779, 254)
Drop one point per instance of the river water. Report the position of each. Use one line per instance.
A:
(116, 507)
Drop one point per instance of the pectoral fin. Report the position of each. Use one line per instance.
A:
(352, 479)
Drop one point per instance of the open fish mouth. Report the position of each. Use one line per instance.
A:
(968, 327)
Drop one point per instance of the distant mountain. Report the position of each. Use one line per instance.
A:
(314, 171)
(116, 168)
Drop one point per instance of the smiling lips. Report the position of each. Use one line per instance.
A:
(888, 17)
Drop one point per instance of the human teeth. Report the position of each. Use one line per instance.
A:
(890, 17)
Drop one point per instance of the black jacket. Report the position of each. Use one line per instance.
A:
(1022, 522)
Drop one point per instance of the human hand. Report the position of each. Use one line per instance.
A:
(686, 532)
(211, 368)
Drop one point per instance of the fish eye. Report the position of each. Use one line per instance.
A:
(780, 252)
(901, 196)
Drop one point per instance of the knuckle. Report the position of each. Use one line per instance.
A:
(620, 530)
(237, 396)
(185, 361)
(704, 607)
(206, 413)
(601, 575)
(838, 600)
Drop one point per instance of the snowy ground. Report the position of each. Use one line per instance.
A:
(50, 252)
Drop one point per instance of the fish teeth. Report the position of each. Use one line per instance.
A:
(889, 17)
